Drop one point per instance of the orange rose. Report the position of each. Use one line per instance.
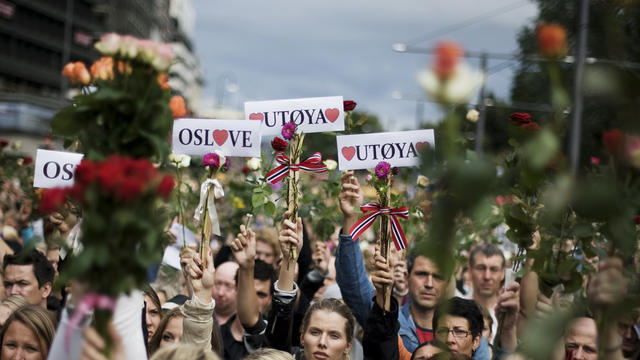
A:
(102, 68)
(177, 106)
(447, 57)
(124, 67)
(77, 73)
(552, 40)
(81, 74)
(163, 80)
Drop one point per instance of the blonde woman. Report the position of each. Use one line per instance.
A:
(10, 304)
(28, 334)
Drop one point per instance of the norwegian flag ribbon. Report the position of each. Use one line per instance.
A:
(313, 164)
(374, 209)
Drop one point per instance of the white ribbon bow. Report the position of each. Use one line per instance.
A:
(217, 193)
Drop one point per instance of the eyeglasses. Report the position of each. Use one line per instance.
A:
(443, 332)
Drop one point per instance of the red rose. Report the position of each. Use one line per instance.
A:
(520, 118)
(141, 169)
(245, 170)
(595, 160)
(3, 143)
(349, 105)
(531, 127)
(279, 144)
(129, 189)
(28, 160)
(166, 186)
(613, 141)
(636, 219)
(86, 172)
(110, 174)
(52, 199)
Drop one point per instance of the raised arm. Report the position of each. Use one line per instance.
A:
(381, 331)
(290, 235)
(244, 250)
(351, 274)
(198, 311)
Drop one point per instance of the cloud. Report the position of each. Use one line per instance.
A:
(286, 48)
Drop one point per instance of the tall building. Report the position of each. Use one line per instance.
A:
(37, 37)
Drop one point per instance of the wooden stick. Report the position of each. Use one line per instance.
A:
(292, 186)
(385, 235)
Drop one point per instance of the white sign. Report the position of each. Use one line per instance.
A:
(171, 255)
(202, 136)
(365, 151)
(55, 168)
(310, 114)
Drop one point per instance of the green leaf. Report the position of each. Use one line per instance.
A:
(66, 122)
(270, 208)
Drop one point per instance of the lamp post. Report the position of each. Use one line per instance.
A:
(226, 83)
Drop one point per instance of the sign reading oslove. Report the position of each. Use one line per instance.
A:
(365, 151)
(318, 114)
(202, 136)
(55, 168)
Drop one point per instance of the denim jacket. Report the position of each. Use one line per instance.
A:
(357, 292)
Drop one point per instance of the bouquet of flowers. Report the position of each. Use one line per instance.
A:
(123, 105)
(120, 120)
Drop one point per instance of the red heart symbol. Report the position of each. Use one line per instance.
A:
(220, 136)
(423, 145)
(332, 114)
(348, 152)
(256, 116)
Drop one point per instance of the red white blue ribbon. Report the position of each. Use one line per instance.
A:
(374, 210)
(312, 164)
(89, 302)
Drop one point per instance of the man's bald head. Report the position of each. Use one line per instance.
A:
(225, 289)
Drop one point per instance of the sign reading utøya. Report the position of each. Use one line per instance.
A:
(202, 136)
(55, 168)
(318, 114)
(365, 151)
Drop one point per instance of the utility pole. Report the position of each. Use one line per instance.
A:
(577, 87)
(483, 107)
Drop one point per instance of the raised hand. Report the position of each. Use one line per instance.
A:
(244, 247)
(290, 235)
(381, 276)
(199, 277)
(321, 256)
(507, 310)
(350, 199)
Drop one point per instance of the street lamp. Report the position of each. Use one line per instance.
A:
(226, 83)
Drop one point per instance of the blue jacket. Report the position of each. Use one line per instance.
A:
(357, 292)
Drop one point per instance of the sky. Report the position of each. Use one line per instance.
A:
(282, 49)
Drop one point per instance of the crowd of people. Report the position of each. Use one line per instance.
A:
(255, 298)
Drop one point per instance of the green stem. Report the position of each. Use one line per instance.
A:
(180, 210)
(102, 318)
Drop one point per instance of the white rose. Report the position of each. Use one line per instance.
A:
(331, 164)
(128, 47)
(473, 115)
(422, 181)
(180, 160)
(456, 89)
(223, 158)
(109, 44)
(254, 164)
